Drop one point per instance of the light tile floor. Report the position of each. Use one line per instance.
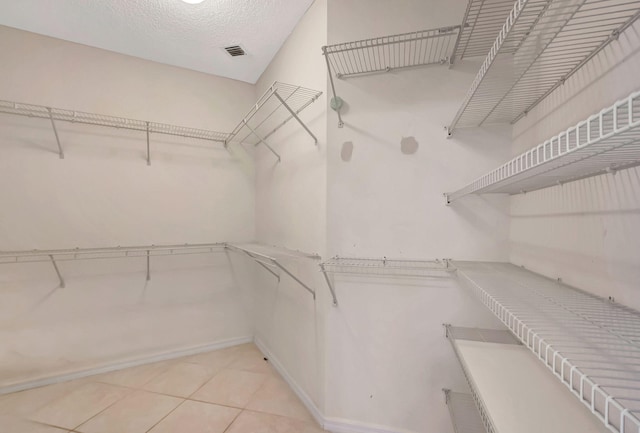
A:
(231, 390)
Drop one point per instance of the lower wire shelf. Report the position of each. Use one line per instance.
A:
(588, 344)
(511, 390)
(464, 414)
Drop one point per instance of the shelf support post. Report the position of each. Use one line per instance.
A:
(148, 146)
(265, 267)
(333, 88)
(295, 116)
(55, 266)
(148, 267)
(55, 132)
(331, 288)
(260, 138)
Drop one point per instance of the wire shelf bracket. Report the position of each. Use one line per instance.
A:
(387, 53)
(589, 344)
(606, 142)
(383, 267)
(146, 252)
(268, 262)
(266, 116)
(57, 114)
(541, 44)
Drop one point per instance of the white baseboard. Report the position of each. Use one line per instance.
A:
(335, 425)
(302, 395)
(163, 356)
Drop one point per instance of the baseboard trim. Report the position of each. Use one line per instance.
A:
(302, 395)
(338, 425)
(163, 356)
(335, 425)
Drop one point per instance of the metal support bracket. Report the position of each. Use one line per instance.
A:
(55, 266)
(333, 89)
(295, 116)
(260, 138)
(55, 132)
(330, 285)
(257, 258)
(148, 267)
(148, 146)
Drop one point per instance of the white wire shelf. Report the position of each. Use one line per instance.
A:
(541, 44)
(146, 251)
(464, 414)
(482, 22)
(58, 114)
(277, 106)
(383, 268)
(590, 345)
(605, 142)
(387, 53)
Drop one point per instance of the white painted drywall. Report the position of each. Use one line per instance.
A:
(387, 357)
(104, 194)
(291, 212)
(585, 232)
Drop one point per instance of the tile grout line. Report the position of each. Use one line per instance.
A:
(164, 417)
(117, 401)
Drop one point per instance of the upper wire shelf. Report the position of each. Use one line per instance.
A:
(482, 21)
(464, 414)
(591, 345)
(541, 44)
(59, 114)
(278, 105)
(605, 142)
(386, 53)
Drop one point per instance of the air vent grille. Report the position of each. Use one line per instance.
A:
(235, 50)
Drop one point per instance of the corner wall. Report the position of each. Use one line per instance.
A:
(103, 194)
(388, 358)
(585, 232)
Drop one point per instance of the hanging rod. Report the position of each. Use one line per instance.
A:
(147, 251)
(541, 44)
(268, 262)
(383, 267)
(387, 53)
(277, 106)
(58, 114)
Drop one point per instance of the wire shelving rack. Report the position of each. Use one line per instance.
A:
(589, 344)
(278, 105)
(482, 21)
(604, 143)
(383, 267)
(57, 114)
(541, 44)
(387, 53)
(464, 414)
(119, 252)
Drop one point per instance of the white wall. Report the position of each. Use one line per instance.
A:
(585, 232)
(388, 359)
(291, 212)
(104, 194)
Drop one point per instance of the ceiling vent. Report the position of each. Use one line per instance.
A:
(235, 51)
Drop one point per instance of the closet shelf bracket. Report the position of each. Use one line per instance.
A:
(275, 108)
(55, 132)
(55, 267)
(265, 261)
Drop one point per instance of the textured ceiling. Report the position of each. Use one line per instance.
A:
(168, 31)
